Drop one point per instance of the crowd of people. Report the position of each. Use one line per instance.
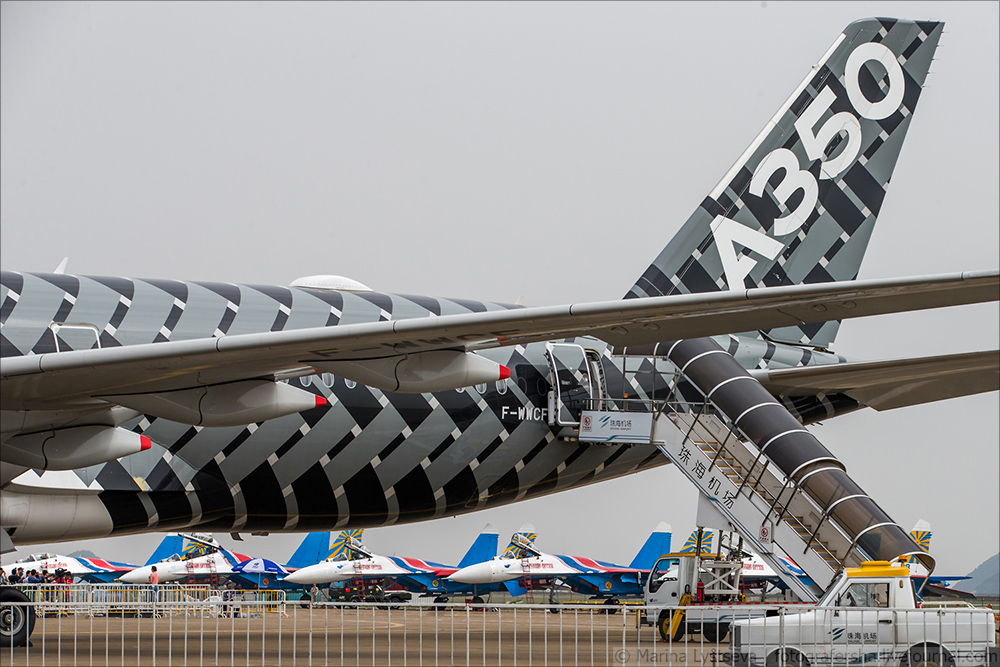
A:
(19, 576)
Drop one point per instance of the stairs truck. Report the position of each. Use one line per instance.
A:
(692, 592)
(869, 616)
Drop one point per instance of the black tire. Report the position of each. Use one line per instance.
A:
(922, 655)
(611, 605)
(790, 658)
(17, 618)
(663, 625)
(439, 603)
(305, 601)
(714, 632)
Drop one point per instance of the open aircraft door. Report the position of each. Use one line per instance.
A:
(576, 376)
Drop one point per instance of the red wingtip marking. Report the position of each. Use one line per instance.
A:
(504, 372)
(320, 400)
(144, 443)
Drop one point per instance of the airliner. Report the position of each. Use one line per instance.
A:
(143, 405)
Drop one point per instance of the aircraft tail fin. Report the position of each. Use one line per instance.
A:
(657, 544)
(921, 534)
(691, 546)
(514, 550)
(170, 545)
(483, 549)
(341, 545)
(800, 203)
(312, 550)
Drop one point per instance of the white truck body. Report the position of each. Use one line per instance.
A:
(687, 593)
(868, 617)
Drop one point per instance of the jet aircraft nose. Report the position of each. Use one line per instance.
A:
(320, 573)
(139, 575)
(489, 572)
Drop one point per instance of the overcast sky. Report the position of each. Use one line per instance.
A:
(495, 151)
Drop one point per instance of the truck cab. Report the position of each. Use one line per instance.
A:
(681, 583)
(868, 616)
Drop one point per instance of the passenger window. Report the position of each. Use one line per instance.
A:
(501, 387)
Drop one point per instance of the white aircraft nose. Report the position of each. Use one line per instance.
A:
(139, 575)
(320, 573)
(303, 576)
(483, 573)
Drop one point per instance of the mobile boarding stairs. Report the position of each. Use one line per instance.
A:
(769, 477)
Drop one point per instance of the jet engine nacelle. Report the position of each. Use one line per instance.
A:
(422, 372)
(489, 572)
(232, 404)
(76, 447)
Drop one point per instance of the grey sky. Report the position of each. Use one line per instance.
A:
(494, 151)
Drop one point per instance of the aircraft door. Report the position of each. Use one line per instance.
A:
(576, 375)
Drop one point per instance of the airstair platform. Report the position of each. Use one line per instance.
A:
(771, 479)
(774, 482)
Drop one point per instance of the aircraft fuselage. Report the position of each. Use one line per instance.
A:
(366, 458)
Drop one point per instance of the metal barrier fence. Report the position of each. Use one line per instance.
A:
(241, 632)
(132, 599)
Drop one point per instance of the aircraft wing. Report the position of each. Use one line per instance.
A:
(78, 378)
(896, 383)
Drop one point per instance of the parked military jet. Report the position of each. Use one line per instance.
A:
(522, 567)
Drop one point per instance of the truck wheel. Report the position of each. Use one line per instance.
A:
(394, 601)
(789, 658)
(714, 632)
(663, 625)
(927, 656)
(16, 620)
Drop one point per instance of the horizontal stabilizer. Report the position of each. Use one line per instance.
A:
(896, 383)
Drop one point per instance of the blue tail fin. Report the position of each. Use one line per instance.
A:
(313, 549)
(171, 544)
(656, 545)
(483, 549)
(800, 203)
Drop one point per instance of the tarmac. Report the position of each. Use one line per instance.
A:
(363, 636)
